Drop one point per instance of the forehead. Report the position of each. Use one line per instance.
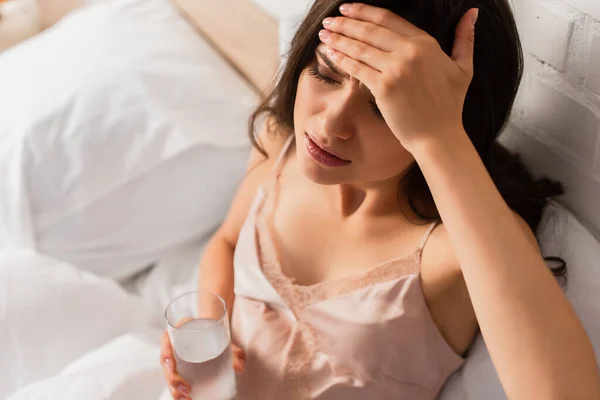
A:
(325, 61)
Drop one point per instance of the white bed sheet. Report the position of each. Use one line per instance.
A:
(175, 274)
(70, 334)
(45, 357)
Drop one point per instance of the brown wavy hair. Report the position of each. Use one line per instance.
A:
(498, 69)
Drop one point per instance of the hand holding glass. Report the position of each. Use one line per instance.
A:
(198, 327)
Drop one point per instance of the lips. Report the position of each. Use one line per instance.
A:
(321, 155)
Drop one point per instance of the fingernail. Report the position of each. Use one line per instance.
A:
(475, 17)
(184, 389)
(327, 22)
(324, 35)
(332, 54)
(344, 8)
(168, 363)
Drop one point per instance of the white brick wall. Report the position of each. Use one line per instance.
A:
(556, 124)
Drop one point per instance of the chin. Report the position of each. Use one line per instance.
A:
(318, 173)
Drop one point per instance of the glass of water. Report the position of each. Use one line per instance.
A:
(198, 326)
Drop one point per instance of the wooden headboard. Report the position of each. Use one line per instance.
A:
(242, 32)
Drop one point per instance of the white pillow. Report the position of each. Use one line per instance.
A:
(560, 235)
(123, 133)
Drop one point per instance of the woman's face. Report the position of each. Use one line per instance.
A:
(340, 135)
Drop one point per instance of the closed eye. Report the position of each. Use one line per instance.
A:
(314, 71)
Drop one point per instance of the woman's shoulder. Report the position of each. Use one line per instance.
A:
(439, 254)
(260, 168)
(271, 139)
(445, 289)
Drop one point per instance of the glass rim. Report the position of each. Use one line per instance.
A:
(216, 322)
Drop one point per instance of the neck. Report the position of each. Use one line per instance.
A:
(369, 199)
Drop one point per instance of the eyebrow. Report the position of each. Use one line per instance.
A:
(331, 66)
(336, 71)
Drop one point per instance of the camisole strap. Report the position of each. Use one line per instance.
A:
(280, 157)
(427, 234)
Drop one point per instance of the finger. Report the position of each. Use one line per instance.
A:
(165, 344)
(359, 51)
(238, 352)
(464, 41)
(381, 17)
(238, 365)
(377, 36)
(168, 363)
(178, 395)
(177, 385)
(174, 380)
(354, 68)
(239, 359)
(166, 353)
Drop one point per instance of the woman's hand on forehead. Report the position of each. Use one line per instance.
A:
(419, 90)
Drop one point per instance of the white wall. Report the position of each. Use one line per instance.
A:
(556, 123)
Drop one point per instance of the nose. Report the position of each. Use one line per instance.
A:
(337, 121)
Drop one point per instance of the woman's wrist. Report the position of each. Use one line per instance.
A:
(449, 144)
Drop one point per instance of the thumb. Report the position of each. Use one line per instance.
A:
(464, 41)
(239, 359)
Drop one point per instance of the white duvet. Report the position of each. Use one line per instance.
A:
(75, 334)
(124, 140)
(67, 334)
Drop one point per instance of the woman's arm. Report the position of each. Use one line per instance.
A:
(538, 346)
(216, 266)
(536, 342)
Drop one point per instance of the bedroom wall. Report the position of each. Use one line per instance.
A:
(556, 124)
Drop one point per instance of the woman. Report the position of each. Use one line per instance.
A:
(385, 225)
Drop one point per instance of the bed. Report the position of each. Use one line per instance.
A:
(119, 113)
(96, 235)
